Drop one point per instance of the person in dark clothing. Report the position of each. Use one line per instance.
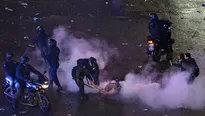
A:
(155, 27)
(94, 70)
(160, 32)
(41, 41)
(192, 68)
(52, 57)
(23, 71)
(79, 72)
(9, 67)
(181, 62)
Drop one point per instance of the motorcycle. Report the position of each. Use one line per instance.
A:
(156, 51)
(154, 48)
(34, 93)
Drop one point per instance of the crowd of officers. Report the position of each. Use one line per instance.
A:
(20, 71)
(85, 68)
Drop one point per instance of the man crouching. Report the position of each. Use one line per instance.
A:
(79, 72)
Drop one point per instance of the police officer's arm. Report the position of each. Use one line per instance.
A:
(57, 51)
(78, 72)
(176, 64)
(33, 70)
(97, 68)
(6, 70)
(35, 40)
(19, 73)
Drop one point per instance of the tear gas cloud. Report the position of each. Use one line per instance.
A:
(73, 48)
(175, 93)
(136, 86)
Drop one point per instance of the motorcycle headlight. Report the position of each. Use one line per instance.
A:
(151, 47)
(45, 85)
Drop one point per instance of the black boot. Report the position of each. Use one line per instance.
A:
(14, 104)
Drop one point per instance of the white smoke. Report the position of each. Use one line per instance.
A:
(73, 48)
(175, 93)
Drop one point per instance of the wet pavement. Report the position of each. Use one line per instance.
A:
(92, 18)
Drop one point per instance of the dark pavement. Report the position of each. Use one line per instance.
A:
(87, 14)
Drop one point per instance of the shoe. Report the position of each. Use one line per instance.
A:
(14, 104)
(84, 97)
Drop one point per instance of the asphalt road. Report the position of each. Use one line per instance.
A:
(87, 14)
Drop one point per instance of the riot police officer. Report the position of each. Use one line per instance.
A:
(41, 41)
(79, 72)
(9, 67)
(52, 57)
(23, 71)
(192, 68)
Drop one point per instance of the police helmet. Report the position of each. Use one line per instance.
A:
(9, 55)
(153, 16)
(188, 55)
(25, 59)
(40, 28)
(92, 60)
(51, 42)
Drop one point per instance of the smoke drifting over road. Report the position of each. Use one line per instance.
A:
(175, 92)
(73, 48)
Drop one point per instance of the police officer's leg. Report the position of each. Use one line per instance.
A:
(55, 78)
(191, 79)
(96, 78)
(50, 77)
(196, 73)
(19, 93)
(80, 84)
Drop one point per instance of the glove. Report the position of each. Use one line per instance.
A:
(92, 83)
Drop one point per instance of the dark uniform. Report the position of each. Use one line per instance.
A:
(79, 72)
(192, 67)
(94, 70)
(155, 27)
(23, 71)
(41, 40)
(9, 67)
(181, 62)
(160, 32)
(52, 57)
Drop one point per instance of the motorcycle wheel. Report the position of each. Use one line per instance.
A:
(156, 57)
(9, 90)
(33, 99)
(44, 102)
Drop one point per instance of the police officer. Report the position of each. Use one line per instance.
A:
(181, 62)
(9, 67)
(41, 40)
(155, 27)
(79, 72)
(94, 70)
(52, 57)
(159, 30)
(192, 68)
(23, 71)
